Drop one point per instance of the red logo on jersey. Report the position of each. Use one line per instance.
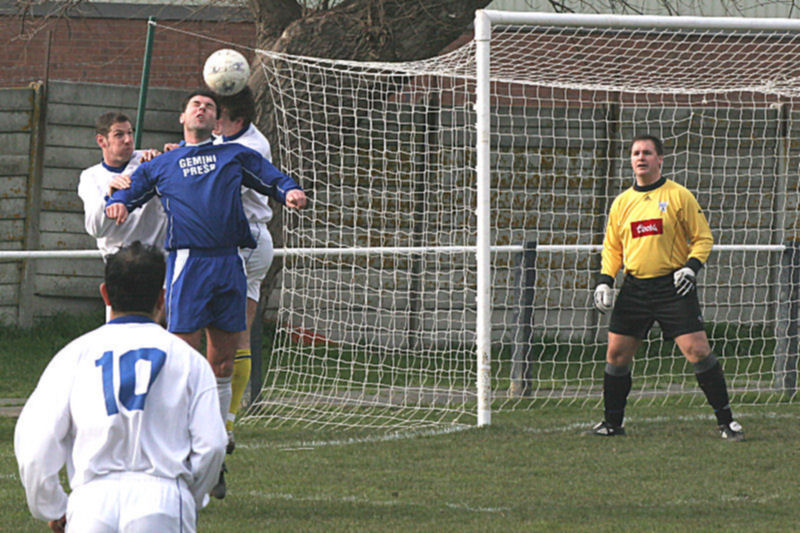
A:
(643, 228)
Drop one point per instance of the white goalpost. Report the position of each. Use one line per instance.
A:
(474, 187)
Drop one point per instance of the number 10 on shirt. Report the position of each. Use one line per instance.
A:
(128, 395)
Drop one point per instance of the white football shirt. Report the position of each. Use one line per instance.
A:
(126, 397)
(256, 205)
(148, 224)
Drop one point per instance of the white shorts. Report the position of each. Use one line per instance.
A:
(257, 260)
(131, 503)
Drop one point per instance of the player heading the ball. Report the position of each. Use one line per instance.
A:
(200, 188)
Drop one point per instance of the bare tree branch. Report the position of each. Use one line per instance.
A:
(30, 26)
(272, 17)
(385, 30)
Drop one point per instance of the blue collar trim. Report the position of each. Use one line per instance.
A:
(116, 170)
(132, 319)
(235, 136)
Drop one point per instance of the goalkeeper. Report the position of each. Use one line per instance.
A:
(659, 230)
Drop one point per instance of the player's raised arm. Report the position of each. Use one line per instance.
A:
(117, 212)
(296, 199)
(142, 188)
(261, 175)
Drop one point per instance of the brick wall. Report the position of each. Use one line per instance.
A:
(109, 47)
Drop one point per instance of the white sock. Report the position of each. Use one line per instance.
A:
(225, 393)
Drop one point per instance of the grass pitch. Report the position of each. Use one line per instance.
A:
(528, 471)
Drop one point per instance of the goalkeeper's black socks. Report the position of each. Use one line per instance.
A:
(712, 381)
(616, 386)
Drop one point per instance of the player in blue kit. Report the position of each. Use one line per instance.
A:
(199, 185)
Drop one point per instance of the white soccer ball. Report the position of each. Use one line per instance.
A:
(226, 72)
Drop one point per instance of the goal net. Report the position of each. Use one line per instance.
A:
(378, 321)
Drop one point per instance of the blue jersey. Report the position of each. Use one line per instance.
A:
(200, 189)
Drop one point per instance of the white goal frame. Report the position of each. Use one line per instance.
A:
(484, 21)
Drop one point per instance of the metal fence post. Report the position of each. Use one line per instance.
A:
(524, 291)
(786, 345)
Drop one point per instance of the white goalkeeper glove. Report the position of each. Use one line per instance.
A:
(603, 297)
(685, 281)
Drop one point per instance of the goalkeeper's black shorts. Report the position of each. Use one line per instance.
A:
(641, 302)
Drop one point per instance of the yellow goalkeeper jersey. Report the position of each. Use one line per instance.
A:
(654, 230)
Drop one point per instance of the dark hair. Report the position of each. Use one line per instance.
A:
(134, 277)
(240, 105)
(104, 122)
(201, 92)
(653, 139)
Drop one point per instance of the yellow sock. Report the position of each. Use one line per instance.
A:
(241, 375)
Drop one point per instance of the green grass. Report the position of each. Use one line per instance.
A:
(531, 470)
(526, 472)
(24, 353)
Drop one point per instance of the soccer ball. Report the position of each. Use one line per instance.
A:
(226, 72)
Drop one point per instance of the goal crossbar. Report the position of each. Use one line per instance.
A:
(494, 17)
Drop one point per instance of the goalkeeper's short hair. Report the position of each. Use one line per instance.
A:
(658, 144)
(134, 277)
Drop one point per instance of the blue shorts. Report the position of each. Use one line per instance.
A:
(205, 288)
